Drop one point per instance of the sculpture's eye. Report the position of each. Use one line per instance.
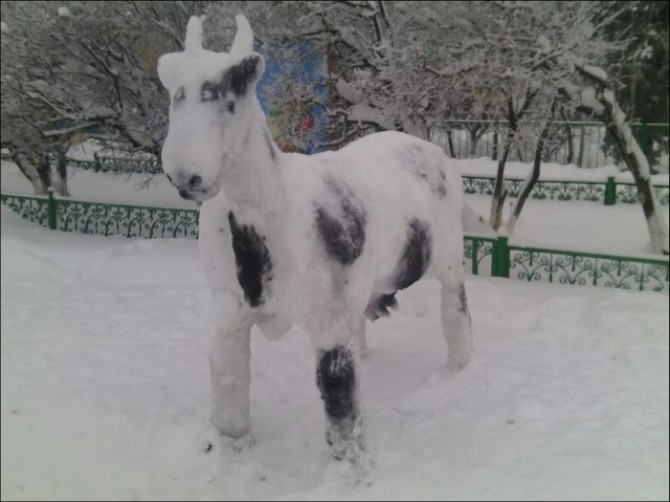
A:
(179, 95)
(209, 92)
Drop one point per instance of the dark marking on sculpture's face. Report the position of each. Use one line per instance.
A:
(254, 267)
(415, 258)
(342, 226)
(240, 76)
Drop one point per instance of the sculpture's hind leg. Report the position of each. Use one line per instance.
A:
(456, 323)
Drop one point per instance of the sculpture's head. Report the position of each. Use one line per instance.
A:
(212, 105)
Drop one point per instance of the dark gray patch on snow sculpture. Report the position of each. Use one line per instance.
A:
(240, 76)
(254, 267)
(416, 255)
(342, 228)
(211, 91)
(463, 307)
(379, 306)
(336, 381)
(414, 159)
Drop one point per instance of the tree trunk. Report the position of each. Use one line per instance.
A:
(639, 167)
(500, 190)
(450, 143)
(530, 182)
(30, 171)
(44, 170)
(473, 142)
(61, 169)
(571, 146)
(637, 163)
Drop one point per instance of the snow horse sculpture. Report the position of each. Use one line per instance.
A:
(322, 241)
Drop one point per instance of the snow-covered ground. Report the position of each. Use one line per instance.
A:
(105, 388)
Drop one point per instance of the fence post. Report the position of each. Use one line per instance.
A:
(96, 163)
(51, 210)
(580, 160)
(500, 258)
(494, 153)
(610, 191)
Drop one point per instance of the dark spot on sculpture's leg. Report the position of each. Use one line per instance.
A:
(463, 307)
(416, 256)
(254, 267)
(336, 381)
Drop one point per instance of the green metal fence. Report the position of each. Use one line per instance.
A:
(118, 165)
(609, 191)
(482, 255)
(498, 258)
(98, 218)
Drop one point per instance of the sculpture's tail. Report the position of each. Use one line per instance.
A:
(475, 223)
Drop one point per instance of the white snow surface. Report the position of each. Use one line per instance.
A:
(105, 388)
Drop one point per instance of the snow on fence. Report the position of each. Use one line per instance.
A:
(117, 165)
(581, 143)
(608, 191)
(483, 255)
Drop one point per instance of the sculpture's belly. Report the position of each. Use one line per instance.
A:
(273, 326)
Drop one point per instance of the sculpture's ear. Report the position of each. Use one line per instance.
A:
(193, 40)
(243, 76)
(168, 64)
(244, 38)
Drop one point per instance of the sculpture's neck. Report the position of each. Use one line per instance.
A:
(252, 183)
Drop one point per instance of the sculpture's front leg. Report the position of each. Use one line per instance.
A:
(336, 379)
(229, 364)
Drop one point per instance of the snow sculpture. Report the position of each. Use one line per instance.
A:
(322, 241)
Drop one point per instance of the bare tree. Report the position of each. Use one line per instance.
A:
(83, 67)
(601, 100)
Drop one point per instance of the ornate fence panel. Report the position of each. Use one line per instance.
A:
(130, 221)
(608, 192)
(118, 165)
(33, 209)
(478, 254)
(567, 267)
